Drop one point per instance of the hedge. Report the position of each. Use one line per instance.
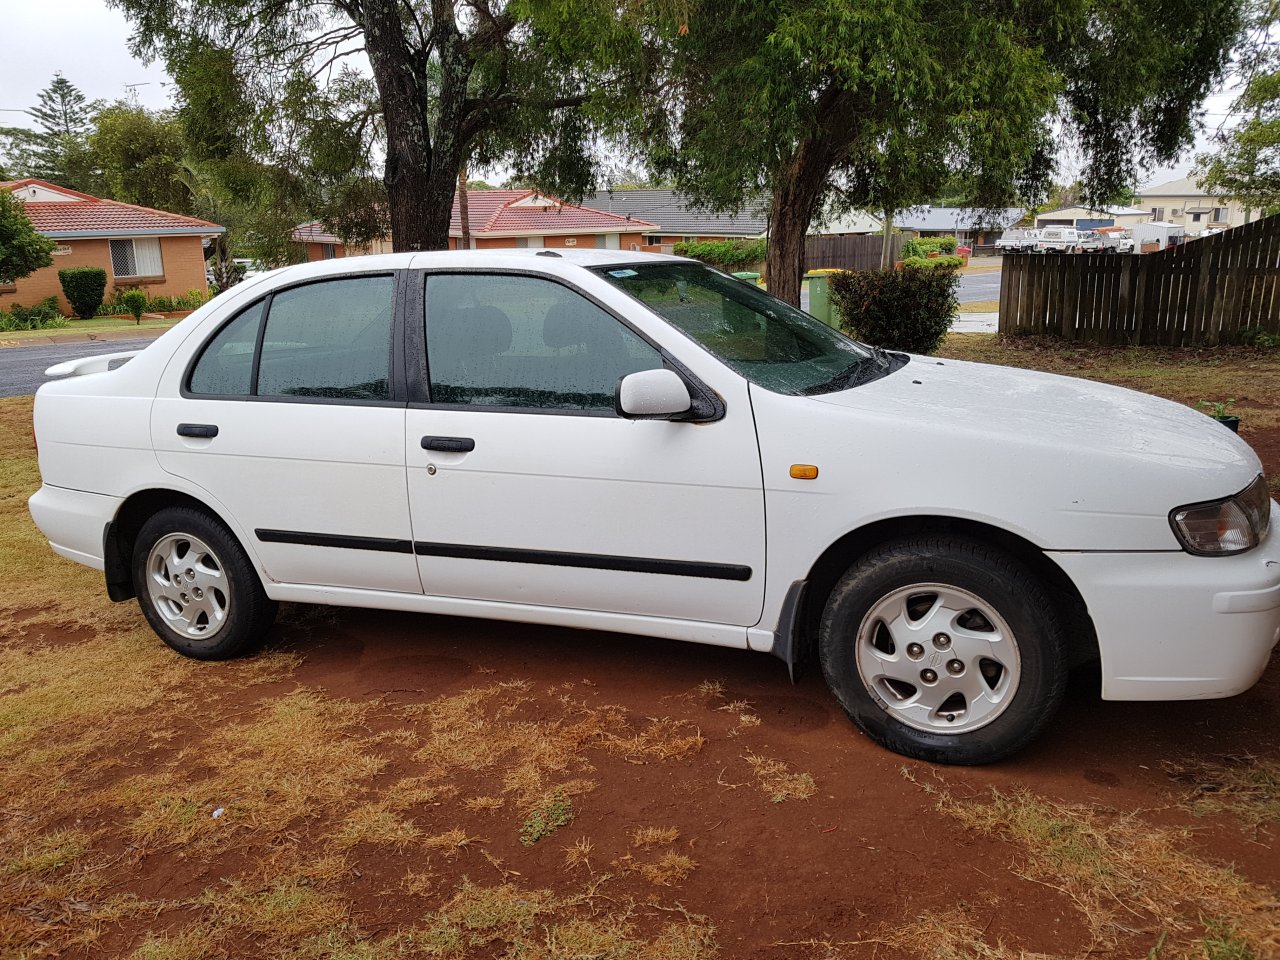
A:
(84, 288)
(909, 310)
(727, 254)
(933, 263)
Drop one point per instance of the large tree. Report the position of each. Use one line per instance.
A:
(450, 83)
(799, 97)
(137, 155)
(59, 149)
(22, 250)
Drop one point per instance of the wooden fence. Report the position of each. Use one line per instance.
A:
(1202, 293)
(850, 252)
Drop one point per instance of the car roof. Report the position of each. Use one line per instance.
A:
(545, 261)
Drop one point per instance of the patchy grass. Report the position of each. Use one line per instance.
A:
(777, 782)
(1246, 787)
(647, 837)
(550, 814)
(980, 306)
(1119, 871)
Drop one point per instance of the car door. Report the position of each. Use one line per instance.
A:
(527, 487)
(290, 417)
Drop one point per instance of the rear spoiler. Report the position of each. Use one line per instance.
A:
(86, 365)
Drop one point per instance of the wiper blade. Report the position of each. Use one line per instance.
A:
(850, 376)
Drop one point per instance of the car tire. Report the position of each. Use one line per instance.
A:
(944, 649)
(196, 585)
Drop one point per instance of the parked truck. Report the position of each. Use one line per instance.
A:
(1017, 241)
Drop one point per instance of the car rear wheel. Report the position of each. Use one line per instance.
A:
(944, 649)
(197, 587)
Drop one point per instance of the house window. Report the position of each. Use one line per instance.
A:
(139, 257)
(328, 251)
(1157, 213)
(1219, 214)
(522, 243)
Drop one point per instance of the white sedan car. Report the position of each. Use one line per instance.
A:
(642, 444)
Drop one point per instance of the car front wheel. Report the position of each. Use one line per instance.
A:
(944, 649)
(197, 587)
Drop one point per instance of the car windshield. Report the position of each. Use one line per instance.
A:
(769, 342)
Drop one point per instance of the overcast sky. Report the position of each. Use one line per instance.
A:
(88, 42)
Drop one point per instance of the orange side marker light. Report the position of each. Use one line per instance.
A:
(804, 471)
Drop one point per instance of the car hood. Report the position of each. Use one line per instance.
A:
(1027, 407)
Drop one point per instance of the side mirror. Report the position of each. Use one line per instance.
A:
(652, 395)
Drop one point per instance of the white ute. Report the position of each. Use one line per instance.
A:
(642, 444)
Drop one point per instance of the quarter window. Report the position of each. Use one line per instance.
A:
(225, 368)
(525, 342)
(138, 257)
(330, 339)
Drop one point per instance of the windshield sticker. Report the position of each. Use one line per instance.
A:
(622, 274)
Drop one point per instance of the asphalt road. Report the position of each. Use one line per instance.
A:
(979, 286)
(22, 368)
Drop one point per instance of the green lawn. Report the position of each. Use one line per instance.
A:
(93, 325)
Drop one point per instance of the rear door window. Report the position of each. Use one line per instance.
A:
(329, 340)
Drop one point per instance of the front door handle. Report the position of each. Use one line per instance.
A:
(205, 430)
(449, 444)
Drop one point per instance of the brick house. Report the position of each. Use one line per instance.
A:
(507, 219)
(152, 250)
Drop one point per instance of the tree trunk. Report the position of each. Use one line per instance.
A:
(796, 194)
(463, 213)
(419, 176)
(886, 248)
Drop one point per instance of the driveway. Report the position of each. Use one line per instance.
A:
(22, 368)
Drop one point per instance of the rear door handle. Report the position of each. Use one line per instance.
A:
(206, 430)
(448, 444)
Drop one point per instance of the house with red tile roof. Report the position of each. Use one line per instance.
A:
(510, 219)
(152, 250)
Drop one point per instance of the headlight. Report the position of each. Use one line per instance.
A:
(1220, 528)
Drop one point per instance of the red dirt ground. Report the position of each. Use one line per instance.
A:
(867, 849)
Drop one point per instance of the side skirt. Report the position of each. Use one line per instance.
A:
(693, 631)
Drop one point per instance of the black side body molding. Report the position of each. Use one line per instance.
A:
(377, 544)
(589, 561)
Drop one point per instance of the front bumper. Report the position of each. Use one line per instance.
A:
(1172, 626)
(73, 521)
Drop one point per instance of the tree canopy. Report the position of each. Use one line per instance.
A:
(883, 102)
(22, 250)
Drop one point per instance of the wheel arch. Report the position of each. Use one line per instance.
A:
(121, 533)
(800, 647)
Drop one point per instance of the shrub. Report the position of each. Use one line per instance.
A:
(933, 263)
(45, 315)
(923, 246)
(191, 300)
(135, 301)
(84, 288)
(909, 309)
(726, 254)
